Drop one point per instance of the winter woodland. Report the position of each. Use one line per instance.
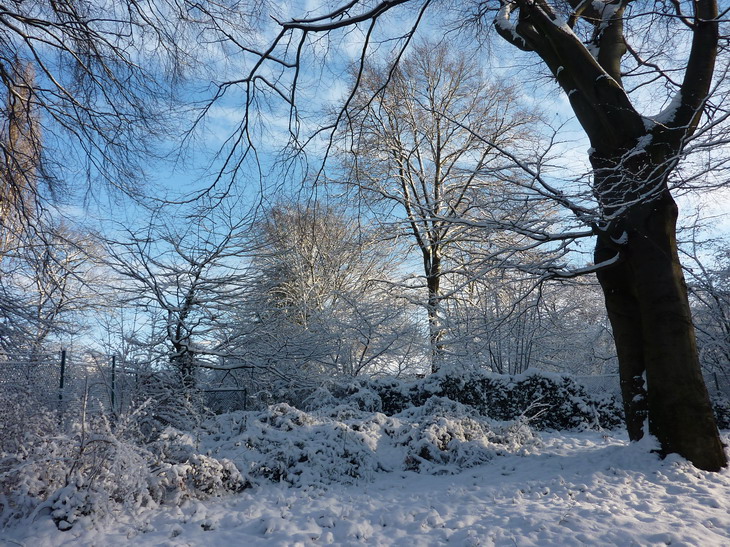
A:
(383, 272)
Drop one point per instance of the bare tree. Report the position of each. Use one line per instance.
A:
(185, 276)
(708, 272)
(503, 322)
(416, 153)
(90, 89)
(50, 280)
(607, 58)
(322, 300)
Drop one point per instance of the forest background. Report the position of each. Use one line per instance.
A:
(236, 198)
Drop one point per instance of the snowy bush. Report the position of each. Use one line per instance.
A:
(444, 437)
(75, 474)
(362, 394)
(32, 455)
(320, 398)
(344, 444)
(166, 404)
(31, 475)
(99, 466)
(394, 394)
(549, 401)
(198, 477)
(721, 405)
(165, 452)
(285, 444)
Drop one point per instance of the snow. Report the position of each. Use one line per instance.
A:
(607, 9)
(667, 115)
(562, 24)
(623, 239)
(641, 144)
(589, 487)
(502, 21)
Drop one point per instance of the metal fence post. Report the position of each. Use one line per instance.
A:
(63, 375)
(61, 382)
(114, 387)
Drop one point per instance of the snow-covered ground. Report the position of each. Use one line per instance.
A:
(570, 489)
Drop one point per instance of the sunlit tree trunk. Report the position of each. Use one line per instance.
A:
(435, 312)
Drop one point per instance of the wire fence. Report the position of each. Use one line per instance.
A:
(108, 385)
(63, 382)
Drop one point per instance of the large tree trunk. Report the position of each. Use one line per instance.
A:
(647, 303)
(632, 159)
(435, 323)
(434, 311)
(624, 313)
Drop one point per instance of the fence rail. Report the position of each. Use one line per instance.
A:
(108, 385)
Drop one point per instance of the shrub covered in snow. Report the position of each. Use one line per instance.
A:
(285, 444)
(340, 433)
(346, 444)
(443, 436)
(22, 416)
(98, 466)
(165, 404)
(721, 405)
(198, 477)
(549, 401)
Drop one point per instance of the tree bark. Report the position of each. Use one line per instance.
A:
(435, 320)
(624, 314)
(648, 307)
(645, 293)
